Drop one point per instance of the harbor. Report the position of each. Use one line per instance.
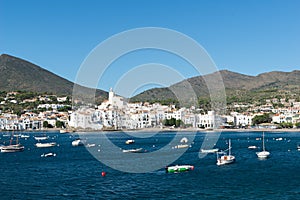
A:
(80, 175)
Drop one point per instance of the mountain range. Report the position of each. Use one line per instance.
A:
(238, 87)
(18, 74)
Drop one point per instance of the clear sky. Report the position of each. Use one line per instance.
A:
(249, 37)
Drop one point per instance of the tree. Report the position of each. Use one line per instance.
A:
(59, 124)
(173, 122)
(45, 124)
(297, 124)
(286, 125)
(178, 123)
(259, 119)
(166, 122)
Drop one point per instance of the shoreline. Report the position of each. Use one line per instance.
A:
(161, 130)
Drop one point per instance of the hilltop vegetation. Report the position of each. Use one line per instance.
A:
(20, 102)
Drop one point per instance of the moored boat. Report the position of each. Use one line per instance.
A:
(139, 150)
(62, 131)
(91, 145)
(48, 155)
(209, 150)
(129, 142)
(44, 145)
(180, 146)
(263, 154)
(252, 147)
(179, 168)
(40, 137)
(184, 140)
(24, 136)
(77, 142)
(12, 148)
(225, 159)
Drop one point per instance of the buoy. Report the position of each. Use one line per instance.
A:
(103, 174)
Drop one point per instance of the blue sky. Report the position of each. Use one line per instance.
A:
(248, 37)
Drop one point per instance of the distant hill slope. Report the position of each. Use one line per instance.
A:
(18, 74)
(239, 87)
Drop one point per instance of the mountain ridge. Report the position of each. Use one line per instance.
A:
(18, 74)
(240, 86)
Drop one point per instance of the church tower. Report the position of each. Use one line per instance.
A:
(110, 96)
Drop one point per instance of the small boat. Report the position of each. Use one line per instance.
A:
(180, 146)
(6, 135)
(91, 145)
(184, 140)
(179, 168)
(298, 147)
(48, 155)
(225, 159)
(44, 145)
(139, 150)
(129, 142)
(40, 137)
(62, 131)
(252, 147)
(263, 154)
(12, 148)
(24, 136)
(77, 142)
(209, 150)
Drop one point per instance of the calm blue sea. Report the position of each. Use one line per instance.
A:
(76, 174)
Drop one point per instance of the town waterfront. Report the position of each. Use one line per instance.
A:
(75, 174)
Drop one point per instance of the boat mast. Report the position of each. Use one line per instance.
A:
(229, 147)
(263, 141)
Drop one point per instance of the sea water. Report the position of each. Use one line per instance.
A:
(74, 173)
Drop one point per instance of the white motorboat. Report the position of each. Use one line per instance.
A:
(48, 155)
(62, 131)
(209, 150)
(139, 150)
(45, 145)
(24, 136)
(91, 145)
(40, 137)
(224, 158)
(77, 142)
(263, 154)
(129, 142)
(184, 140)
(180, 146)
(252, 147)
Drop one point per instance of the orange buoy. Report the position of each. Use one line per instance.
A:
(103, 174)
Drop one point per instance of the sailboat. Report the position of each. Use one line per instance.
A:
(12, 147)
(225, 159)
(263, 153)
